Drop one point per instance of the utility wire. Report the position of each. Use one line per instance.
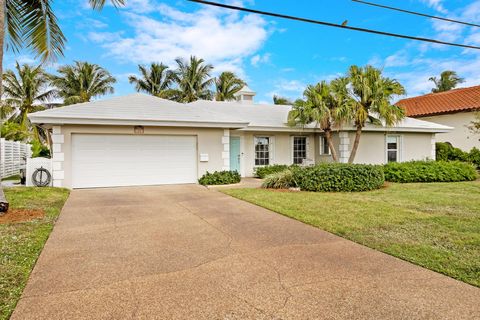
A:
(335, 25)
(416, 13)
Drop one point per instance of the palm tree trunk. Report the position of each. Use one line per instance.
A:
(353, 153)
(3, 200)
(328, 136)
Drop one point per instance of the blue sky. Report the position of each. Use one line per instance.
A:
(274, 56)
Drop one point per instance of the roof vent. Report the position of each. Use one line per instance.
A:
(245, 95)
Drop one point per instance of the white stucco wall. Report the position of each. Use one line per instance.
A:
(460, 137)
(413, 146)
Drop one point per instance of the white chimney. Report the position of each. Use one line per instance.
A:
(245, 95)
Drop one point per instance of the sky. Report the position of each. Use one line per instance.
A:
(274, 56)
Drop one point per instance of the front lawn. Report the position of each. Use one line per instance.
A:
(434, 225)
(22, 242)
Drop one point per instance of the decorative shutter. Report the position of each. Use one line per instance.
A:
(272, 149)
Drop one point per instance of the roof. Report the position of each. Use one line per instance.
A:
(245, 90)
(146, 110)
(456, 100)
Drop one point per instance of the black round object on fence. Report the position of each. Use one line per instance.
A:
(41, 177)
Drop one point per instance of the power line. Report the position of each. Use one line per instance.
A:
(416, 13)
(335, 25)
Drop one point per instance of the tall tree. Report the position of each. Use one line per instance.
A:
(25, 91)
(155, 79)
(227, 85)
(193, 79)
(282, 101)
(448, 80)
(32, 24)
(82, 81)
(325, 104)
(371, 100)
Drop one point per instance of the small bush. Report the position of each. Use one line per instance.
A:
(280, 180)
(446, 152)
(429, 171)
(339, 177)
(262, 172)
(219, 177)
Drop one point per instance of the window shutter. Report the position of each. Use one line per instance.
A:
(272, 149)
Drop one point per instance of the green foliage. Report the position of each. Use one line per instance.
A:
(448, 80)
(262, 172)
(39, 150)
(337, 177)
(14, 131)
(219, 177)
(227, 85)
(280, 180)
(429, 171)
(446, 152)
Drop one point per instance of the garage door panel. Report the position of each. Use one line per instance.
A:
(125, 160)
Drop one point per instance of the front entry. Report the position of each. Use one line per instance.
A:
(235, 154)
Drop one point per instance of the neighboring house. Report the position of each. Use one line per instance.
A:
(455, 108)
(144, 140)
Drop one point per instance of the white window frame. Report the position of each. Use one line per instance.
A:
(293, 149)
(399, 147)
(322, 140)
(271, 150)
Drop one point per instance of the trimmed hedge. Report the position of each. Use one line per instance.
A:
(280, 180)
(262, 172)
(430, 171)
(446, 152)
(219, 177)
(337, 177)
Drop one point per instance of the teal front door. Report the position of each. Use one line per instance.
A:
(235, 154)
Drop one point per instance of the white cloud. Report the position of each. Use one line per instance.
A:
(435, 4)
(259, 59)
(220, 37)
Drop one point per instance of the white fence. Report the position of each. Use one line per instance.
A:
(13, 156)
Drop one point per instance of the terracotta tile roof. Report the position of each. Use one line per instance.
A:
(456, 100)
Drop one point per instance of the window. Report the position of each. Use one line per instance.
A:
(299, 149)
(262, 151)
(393, 148)
(324, 148)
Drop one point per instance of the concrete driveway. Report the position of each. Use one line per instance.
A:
(184, 252)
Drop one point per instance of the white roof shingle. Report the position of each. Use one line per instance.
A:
(141, 109)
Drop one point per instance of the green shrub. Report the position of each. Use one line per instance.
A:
(446, 152)
(39, 150)
(474, 157)
(219, 177)
(280, 180)
(429, 171)
(339, 177)
(262, 172)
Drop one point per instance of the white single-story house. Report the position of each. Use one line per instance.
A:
(143, 140)
(454, 108)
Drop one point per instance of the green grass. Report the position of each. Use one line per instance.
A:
(21, 243)
(14, 177)
(436, 225)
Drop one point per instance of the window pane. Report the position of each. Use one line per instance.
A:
(392, 156)
(299, 149)
(392, 146)
(326, 149)
(262, 152)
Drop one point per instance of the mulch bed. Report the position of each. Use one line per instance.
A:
(21, 215)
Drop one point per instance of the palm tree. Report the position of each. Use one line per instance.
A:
(371, 96)
(282, 101)
(155, 80)
(448, 81)
(32, 24)
(193, 79)
(324, 104)
(82, 81)
(24, 91)
(227, 85)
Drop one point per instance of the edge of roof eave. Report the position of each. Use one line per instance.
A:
(152, 123)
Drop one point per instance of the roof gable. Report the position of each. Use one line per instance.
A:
(456, 100)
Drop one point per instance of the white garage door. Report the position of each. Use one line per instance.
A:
(129, 160)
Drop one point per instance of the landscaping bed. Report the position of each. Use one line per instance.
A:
(23, 233)
(434, 225)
